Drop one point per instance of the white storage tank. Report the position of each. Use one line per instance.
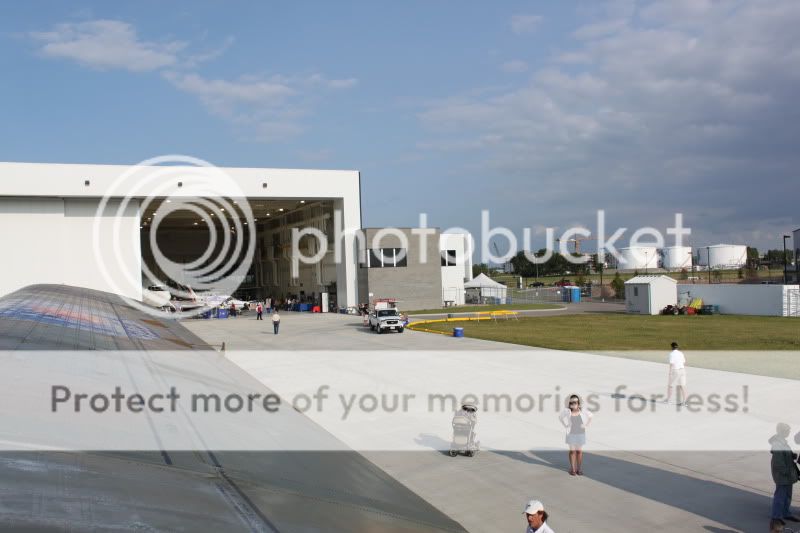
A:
(724, 256)
(638, 258)
(676, 257)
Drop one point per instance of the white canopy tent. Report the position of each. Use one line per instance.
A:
(482, 288)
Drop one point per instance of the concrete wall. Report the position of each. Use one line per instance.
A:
(453, 276)
(50, 240)
(733, 299)
(417, 285)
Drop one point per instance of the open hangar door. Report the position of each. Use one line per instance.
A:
(183, 237)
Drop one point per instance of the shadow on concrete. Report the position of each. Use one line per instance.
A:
(370, 332)
(734, 507)
(720, 530)
(434, 442)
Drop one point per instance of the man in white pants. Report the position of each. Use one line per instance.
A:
(677, 374)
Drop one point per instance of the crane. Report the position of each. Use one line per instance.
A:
(577, 242)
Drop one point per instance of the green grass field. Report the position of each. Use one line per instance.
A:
(482, 308)
(623, 335)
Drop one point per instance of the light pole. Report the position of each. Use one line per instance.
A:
(785, 260)
(601, 264)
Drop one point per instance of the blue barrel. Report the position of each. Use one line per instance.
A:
(458, 332)
(222, 313)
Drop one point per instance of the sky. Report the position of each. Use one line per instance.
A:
(540, 112)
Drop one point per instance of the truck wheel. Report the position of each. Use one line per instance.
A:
(453, 453)
(379, 330)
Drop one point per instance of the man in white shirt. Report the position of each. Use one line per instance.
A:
(536, 517)
(677, 374)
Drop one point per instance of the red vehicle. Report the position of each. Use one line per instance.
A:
(564, 283)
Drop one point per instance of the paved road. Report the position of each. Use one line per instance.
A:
(622, 490)
(563, 309)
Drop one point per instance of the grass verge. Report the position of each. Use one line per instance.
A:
(623, 335)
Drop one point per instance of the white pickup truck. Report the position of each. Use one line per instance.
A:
(382, 320)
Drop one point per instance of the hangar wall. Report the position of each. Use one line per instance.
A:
(50, 240)
(45, 228)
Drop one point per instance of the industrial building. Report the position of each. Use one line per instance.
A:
(676, 258)
(638, 258)
(51, 231)
(722, 256)
(429, 273)
(118, 228)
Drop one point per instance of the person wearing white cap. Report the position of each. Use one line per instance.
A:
(537, 518)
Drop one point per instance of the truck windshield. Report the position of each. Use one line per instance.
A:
(387, 312)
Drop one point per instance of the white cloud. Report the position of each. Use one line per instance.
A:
(322, 81)
(600, 29)
(107, 44)
(651, 117)
(514, 66)
(343, 84)
(263, 109)
(315, 156)
(573, 58)
(197, 59)
(525, 23)
(223, 93)
(671, 11)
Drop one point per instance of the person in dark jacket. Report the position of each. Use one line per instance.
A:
(784, 473)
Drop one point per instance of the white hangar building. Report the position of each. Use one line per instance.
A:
(50, 233)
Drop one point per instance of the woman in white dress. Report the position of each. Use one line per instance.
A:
(575, 419)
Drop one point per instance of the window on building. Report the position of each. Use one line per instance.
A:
(387, 258)
(448, 258)
(636, 291)
(400, 257)
(375, 258)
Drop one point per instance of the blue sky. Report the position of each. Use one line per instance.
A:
(541, 112)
